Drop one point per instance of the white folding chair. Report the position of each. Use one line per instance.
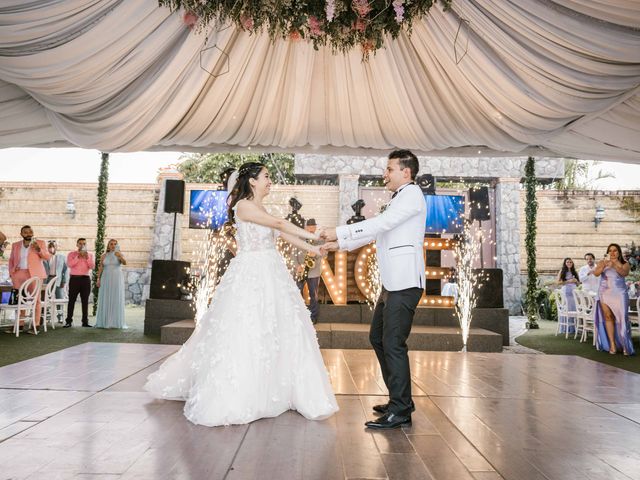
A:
(566, 317)
(52, 305)
(578, 299)
(27, 302)
(589, 316)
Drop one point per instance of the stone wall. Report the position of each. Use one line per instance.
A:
(486, 168)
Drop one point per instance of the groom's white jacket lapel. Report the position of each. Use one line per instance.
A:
(399, 236)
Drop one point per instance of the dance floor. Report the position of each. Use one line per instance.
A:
(81, 413)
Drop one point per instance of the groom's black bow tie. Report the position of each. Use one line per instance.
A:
(398, 191)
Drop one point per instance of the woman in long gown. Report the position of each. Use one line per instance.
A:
(110, 282)
(254, 353)
(568, 278)
(612, 308)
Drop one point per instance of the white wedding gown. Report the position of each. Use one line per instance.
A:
(254, 353)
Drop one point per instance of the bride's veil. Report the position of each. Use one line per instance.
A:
(231, 183)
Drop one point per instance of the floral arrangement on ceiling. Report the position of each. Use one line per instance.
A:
(341, 24)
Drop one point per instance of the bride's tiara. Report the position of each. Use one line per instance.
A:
(249, 168)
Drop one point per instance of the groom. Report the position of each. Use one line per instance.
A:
(399, 236)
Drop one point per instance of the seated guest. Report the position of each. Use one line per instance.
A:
(56, 267)
(26, 262)
(590, 282)
(568, 278)
(80, 264)
(110, 283)
(612, 308)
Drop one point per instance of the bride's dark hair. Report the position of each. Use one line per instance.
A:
(242, 187)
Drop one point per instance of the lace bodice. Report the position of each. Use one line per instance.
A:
(251, 237)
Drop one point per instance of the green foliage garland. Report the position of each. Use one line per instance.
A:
(103, 180)
(531, 213)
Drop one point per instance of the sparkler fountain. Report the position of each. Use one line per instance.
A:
(466, 252)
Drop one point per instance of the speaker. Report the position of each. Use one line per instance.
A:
(174, 196)
(479, 200)
(166, 276)
(488, 289)
(427, 184)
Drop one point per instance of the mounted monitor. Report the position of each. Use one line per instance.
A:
(444, 213)
(208, 209)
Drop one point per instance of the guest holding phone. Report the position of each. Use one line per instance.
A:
(612, 308)
(110, 285)
(80, 264)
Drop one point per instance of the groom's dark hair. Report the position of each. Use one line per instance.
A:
(406, 159)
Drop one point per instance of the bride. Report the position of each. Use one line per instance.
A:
(254, 353)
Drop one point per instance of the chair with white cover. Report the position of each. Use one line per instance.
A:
(566, 317)
(52, 305)
(27, 304)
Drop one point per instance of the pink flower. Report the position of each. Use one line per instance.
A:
(398, 7)
(315, 27)
(294, 35)
(359, 25)
(361, 7)
(330, 9)
(190, 19)
(367, 47)
(246, 21)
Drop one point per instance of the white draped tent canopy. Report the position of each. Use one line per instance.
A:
(542, 77)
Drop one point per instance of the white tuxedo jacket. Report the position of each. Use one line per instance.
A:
(399, 236)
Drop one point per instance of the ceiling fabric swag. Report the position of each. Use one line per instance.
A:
(557, 78)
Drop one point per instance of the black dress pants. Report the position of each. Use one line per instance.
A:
(79, 285)
(390, 328)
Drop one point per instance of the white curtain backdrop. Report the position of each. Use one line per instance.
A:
(523, 77)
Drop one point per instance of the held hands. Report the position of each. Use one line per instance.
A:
(328, 247)
(328, 234)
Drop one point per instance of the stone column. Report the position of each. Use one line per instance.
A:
(349, 192)
(508, 240)
(163, 230)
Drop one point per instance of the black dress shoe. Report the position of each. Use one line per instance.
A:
(389, 421)
(86, 325)
(384, 408)
(66, 325)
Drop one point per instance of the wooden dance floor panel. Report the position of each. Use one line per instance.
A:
(81, 413)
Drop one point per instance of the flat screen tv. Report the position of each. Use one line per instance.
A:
(444, 213)
(208, 209)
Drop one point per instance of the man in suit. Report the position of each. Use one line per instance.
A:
(399, 235)
(56, 267)
(26, 261)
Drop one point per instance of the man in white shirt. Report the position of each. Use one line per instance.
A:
(399, 236)
(590, 282)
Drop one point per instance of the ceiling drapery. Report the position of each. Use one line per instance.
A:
(524, 76)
